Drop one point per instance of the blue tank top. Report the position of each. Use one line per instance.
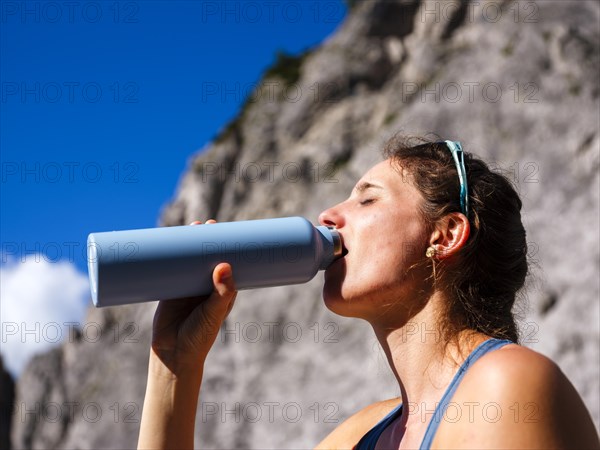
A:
(369, 440)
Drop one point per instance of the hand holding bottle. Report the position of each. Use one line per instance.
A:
(185, 329)
(183, 332)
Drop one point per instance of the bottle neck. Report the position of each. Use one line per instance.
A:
(337, 242)
(331, 242)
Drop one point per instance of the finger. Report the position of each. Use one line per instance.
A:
(198, 222)
(224, 290)
(223, 280)
(230, 307)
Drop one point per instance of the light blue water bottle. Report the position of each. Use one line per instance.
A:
(136, 266)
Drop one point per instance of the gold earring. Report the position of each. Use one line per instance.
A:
(430, 252)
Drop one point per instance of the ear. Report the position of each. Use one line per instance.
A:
(450, 235)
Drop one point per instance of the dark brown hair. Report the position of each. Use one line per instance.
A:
(483, 280)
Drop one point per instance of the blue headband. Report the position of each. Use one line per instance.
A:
(459, 160)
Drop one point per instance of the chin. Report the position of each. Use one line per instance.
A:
(332, 292)
(339, 302)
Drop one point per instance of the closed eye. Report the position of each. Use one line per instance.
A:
(367, 201)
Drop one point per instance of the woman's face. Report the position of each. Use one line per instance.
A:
(384, 236)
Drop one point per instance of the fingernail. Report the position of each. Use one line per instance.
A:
(226, 274)
(196, 222)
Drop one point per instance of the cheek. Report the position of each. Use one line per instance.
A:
(392, 252)
(379, 265)
(396, 243)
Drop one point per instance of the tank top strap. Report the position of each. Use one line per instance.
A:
(369, 440)
(440, 410)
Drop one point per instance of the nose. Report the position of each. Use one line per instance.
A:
(332, 217)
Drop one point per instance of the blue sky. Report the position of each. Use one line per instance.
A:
(102, 104)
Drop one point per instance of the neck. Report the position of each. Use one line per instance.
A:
(421, 360)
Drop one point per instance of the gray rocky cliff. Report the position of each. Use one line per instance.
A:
(7, 399)
(516, 82)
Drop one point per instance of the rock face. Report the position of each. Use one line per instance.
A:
(515, 82)
(7, 398)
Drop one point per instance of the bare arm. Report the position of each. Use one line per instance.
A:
(169, 407)
(183, 332)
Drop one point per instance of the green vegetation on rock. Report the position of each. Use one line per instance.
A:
(286, 66)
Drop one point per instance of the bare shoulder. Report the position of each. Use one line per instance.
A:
(515, 397)
(512, 366)
(348, 433)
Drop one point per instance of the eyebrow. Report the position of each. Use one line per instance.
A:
(361, 187)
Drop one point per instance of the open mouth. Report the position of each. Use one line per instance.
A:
(344, 251)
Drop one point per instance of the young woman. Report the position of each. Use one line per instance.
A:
(433, 241)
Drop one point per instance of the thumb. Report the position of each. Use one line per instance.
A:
(224, 289)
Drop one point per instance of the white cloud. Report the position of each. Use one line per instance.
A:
(37, 298)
